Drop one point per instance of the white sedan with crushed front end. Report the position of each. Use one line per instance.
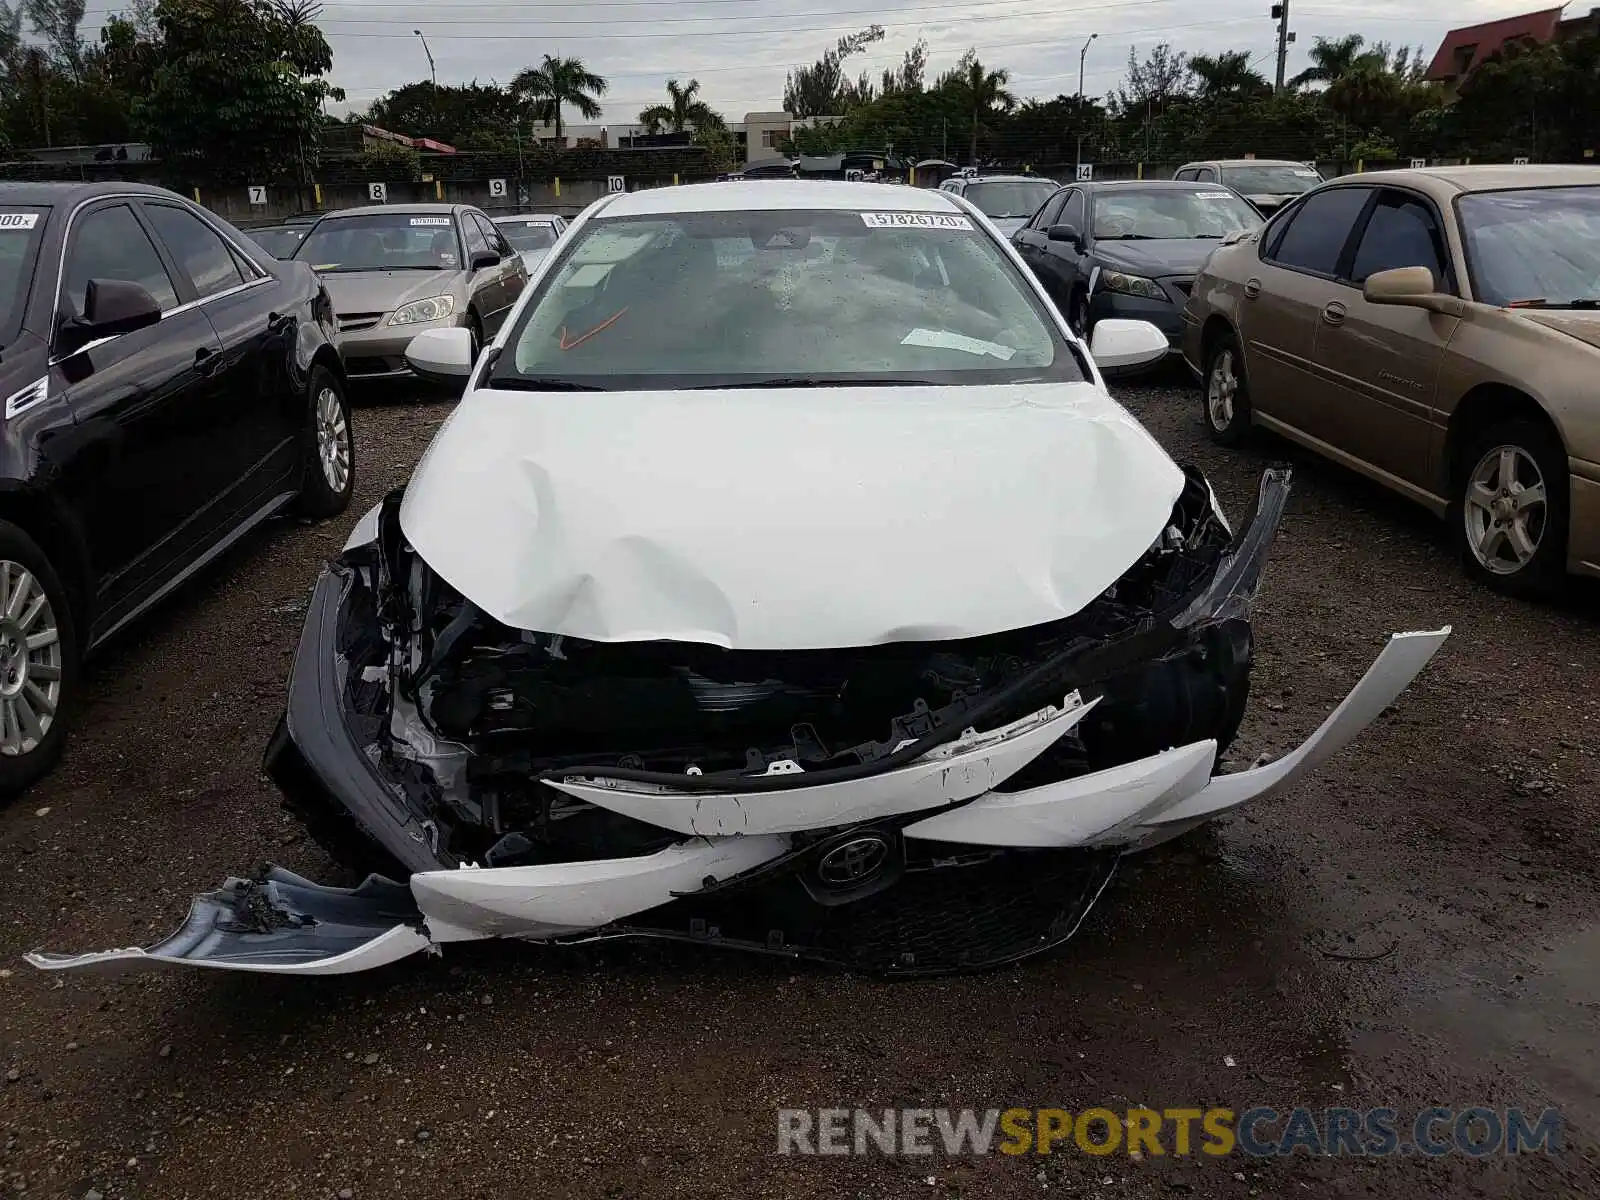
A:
(786, 579)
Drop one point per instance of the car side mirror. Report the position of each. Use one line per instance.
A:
(110, 307)
(441, 355)
(1120, 345)
(484, 258)
(1066, 233)
(1412, 287)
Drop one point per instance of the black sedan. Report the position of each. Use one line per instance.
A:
(1129, 248)
(167, 386)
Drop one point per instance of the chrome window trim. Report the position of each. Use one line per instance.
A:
(61, 265)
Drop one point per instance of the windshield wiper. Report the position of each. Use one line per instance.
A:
(543, 383)
(1583, 302)
(1128, 237)
(819, 381)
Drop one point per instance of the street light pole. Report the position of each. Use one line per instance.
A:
(1083, 56)
(433, 92)
(432, 70)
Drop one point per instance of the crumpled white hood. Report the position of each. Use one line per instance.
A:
(788, 519)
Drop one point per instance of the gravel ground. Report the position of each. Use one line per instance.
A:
(1414, 926)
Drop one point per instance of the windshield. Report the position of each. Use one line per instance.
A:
(1535, 244)
(1284, 180)
(398, 241)
(1011, 199)
(528, 235)
(782, 297)
(280, 243)
(21, 230)
(1171, 213)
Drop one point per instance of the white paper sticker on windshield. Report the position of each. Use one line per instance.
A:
(940, 339)
(1214, 195)
(910, 220)
(444, 221)
(1306, 174)
(18, 221)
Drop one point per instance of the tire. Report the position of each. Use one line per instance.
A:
(1509, 540)
(1078, 315)
(326, 490)
(33, 678)
(1225, 405)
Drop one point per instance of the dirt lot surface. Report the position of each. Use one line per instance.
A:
(1414, 926)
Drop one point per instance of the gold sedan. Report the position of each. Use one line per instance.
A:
(1437, 330)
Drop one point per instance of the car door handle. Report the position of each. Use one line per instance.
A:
(1252, 288)
(1334, 313)
(206, 360)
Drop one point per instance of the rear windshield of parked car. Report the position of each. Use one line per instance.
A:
(1006, 199)
(1533, 245)
(1270, 181)
(21, 230)
(720, 298)
(527, 235)
(1205, 212)
(398, 241)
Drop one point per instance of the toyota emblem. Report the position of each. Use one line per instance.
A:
(853, 861)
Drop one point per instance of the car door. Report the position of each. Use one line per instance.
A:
(485, 286)
(1282, 300)
(137, 399)
(1031, 241)
(513, 271)
(247, 443)
(1383, 360)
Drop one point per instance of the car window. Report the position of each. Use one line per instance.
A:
(1400, 233)
(1186, 174)
(716, 299)
(1074, 211)
(476, 243)
(197, 248)
(1049, 214)
(1319, 229)
(1205, 175)
(531, 234)
(21, 231)
(486, 228)
(1010, 198)
(109, 243)
(1272, 180)
(1161, 212)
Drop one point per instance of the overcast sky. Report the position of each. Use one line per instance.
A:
(740, 50)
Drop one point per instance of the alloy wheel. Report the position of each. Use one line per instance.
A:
(1221, 386)
(333, 439)
(1505, 510)
(30, 661)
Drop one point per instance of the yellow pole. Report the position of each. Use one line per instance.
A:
(438, 188)
(197, 195)
(317, 190)
(1361, 165)
(558, 185)
(911, 176)
(1140, 175)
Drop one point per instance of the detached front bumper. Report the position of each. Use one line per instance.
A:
(951, 860)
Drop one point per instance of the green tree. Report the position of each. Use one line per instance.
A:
(1332, 59)
(683, 109)
(983, 92)
(821, 90)
(238, 90)
(558, 82)
(1226, 74)
(469, 116)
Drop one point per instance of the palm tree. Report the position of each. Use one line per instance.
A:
(1227, 74)
(1332, 59)
(557, 82)
(683, 108)
(982, 91)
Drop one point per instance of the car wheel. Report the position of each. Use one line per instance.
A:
(329, 452)
(1078, 315)
(1512, 507)
(1226, 398)
(38, 661)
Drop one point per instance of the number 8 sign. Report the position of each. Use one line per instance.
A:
(378, 193)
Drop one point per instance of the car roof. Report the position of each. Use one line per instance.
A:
(528, 217)
(367, 210)
(1002, 179)
(73, 193)
(1153, 185)
(779, 194)
(1444, 182)
(1242, 162)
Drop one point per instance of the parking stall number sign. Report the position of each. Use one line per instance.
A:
(378, 193)
(1085, 172)
(1419, 163)
(258, 195)
(616, 183)
(1520, 160)
(497, 188)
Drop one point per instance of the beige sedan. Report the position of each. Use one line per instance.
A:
(1436, 330)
